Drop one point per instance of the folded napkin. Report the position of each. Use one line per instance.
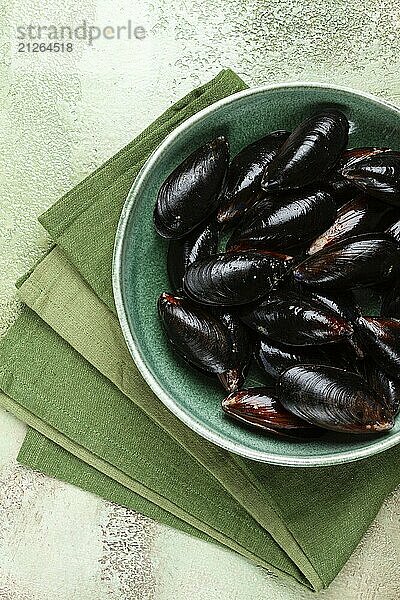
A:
(96, 424)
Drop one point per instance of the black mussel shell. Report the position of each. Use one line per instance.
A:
(360, 215)
(201, 243)
(378, 175)
(235, 278)
(311, 150)
(394, 230)
(357, 261)
(243, 180)
(341, 189)
(380, 338)
(259, 407)
(285, 221)
(204, 340)
(290, 319)
(383, 385)
(275, 358)
(391, 302)
(344, 304)
(191, 193)
(352, 154)
(242, 346)
(341, 303)
(333, 399)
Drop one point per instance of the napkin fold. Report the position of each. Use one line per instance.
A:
(67, 373)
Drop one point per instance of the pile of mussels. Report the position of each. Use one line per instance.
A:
(309, 222)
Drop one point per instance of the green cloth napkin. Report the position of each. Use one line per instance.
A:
(301, 522)
(57, 293)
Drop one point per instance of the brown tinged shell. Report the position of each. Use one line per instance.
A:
(333, 399)
(380, 337)
(204, 341)
(235, 278)
(285, 221)
(310, 151)
(356, 261)
(201, 243)
(360, 215)
(377, 174)
(289, 319)
(243, 181)
(259, 407)
(190, 194)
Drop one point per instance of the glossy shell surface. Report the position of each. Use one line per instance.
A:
(311, 150)
(334, 399)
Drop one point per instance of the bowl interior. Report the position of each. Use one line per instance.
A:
(140, 273)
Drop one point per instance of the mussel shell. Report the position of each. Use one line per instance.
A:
(333, 399)
(341, 303)
(191, 192)
(353, 154)
(204, 340)
(356, 261)
(311, 150)
(235, 278)
(289, 319)
(360, 215)
(243, 181)
(201, 243)
(275, 358)
(341, 189)
(285, 221)
(344, 304)
(378, 175)
(380, 337)
(394, 231)
(383, 385)
(259, 407)
(391, 302)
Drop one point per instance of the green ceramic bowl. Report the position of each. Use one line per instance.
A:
(140, 274)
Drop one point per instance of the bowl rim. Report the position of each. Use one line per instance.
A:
(334, 458)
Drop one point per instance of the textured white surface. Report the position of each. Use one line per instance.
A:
(63, 115)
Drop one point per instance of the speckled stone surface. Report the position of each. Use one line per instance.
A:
(68, 114)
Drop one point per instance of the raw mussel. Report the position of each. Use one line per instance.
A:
(360, 215)
(383, 385)
(285, 221)
(290, 319)
(394, 230)
(378, 175)
(342, 189)
(344, 304)
(310, 151)
(191, 193)
(235, 278)
(201, 243)
(205, 341)
(356, 261)
(380, 337)
(275, 358)
(243, 181)
(333, 399)
(391, 302)
(259, 407)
